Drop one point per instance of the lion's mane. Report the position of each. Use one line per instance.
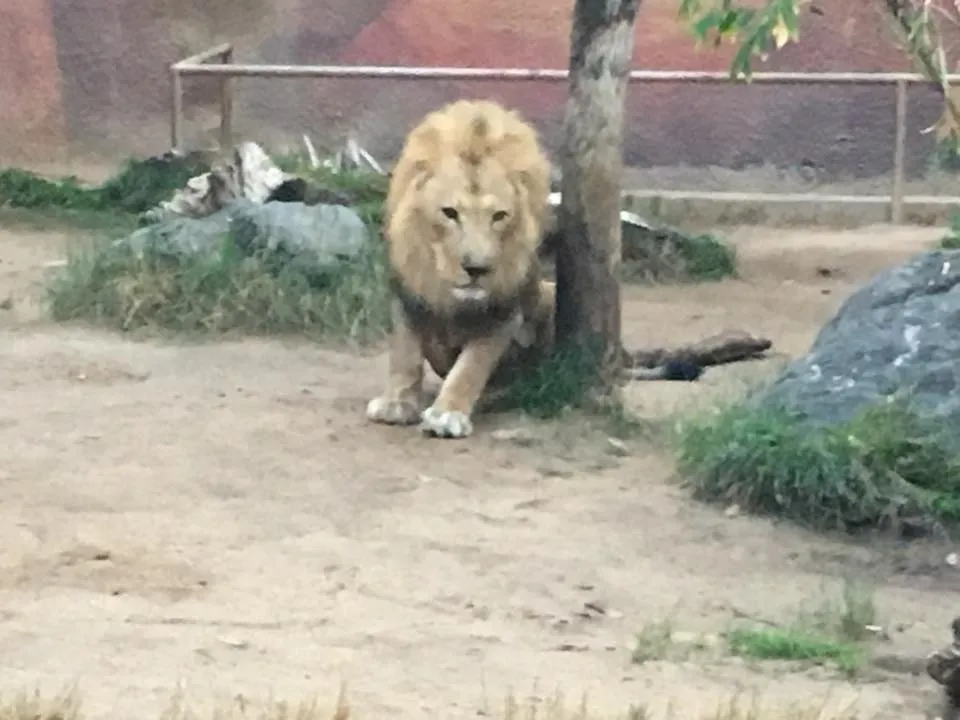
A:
(454, 143)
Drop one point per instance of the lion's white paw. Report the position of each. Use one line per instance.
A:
(445, 423)
(392, 412)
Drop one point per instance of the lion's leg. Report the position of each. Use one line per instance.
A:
(449, 416)
(400, 402)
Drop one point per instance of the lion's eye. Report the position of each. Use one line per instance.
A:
(499, 215)
(451, 213)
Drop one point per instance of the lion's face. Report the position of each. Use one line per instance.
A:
(476, 217)
(465, 207)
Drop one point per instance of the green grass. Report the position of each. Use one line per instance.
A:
(365, 191)
(883, 468)
(835, 632)
(224, 291)
(551, 387)
(566, 380)
(88, 222)
(653, 642)
(847, 618)
(795, 644)
(227, 291)
(951, 241)
(140, 185)
(667, 255)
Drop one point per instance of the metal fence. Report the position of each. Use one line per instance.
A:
(201, 65)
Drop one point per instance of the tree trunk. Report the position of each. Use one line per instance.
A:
(588, 253)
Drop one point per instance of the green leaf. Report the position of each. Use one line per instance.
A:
(707, 22)
(689, 8)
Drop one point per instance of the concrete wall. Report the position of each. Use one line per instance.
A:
(89, 78)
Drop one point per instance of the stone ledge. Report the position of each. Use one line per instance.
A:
(784, 209)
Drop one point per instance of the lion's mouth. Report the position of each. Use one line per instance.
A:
(470, 293)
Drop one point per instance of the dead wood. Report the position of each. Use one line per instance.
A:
(725, 347)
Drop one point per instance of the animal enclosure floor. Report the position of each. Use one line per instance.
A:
(222, 515)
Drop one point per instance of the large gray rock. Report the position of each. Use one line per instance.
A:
(317, 235)
(899, 334)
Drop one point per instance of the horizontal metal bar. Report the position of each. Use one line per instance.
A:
(454, 73)
(203, 57)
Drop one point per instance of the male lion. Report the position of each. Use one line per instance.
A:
(464, 217)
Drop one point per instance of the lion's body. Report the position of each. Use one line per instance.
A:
(464, 219)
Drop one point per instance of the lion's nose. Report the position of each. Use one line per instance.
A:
(474, 269)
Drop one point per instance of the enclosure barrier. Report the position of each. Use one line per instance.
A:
(200, 65)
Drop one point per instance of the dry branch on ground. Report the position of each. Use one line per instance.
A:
(725, 347)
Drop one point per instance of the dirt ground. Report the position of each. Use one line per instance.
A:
(221, 515)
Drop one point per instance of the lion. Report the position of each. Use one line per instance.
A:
(464, 216)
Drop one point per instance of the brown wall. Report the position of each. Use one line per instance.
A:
(89, 77)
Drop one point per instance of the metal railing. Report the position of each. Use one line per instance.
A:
(200, 65)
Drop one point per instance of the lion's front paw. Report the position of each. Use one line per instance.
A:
(392, 412)
(445, 423)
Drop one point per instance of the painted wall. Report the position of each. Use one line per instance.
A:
(89, 78)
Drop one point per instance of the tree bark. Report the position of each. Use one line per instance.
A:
(588, 252)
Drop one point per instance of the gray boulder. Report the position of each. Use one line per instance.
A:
(898, 335)
(316, 235)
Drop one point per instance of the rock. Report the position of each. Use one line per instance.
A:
(517, 436)
(617, 447)
(182, 235)
(249, 173)
(318, 235)
(898, 334)
(324, 234)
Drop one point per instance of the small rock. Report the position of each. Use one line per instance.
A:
(596, 607)
(517, 436)
(570, 647)
(702, 640)
(618, 447)
(234, 642)
(732, 511)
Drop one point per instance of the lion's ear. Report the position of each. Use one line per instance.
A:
(407, 176)
(528, 193)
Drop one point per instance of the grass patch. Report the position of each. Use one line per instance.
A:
(139, 186)
(885, 468)
(551, 387)
(365, 192)
(549, 706)
(951, 241)
(565, 380)
(91, 222)
(849, 617)
(222, 292)
(834, 633)
(795, 644)
(653, 642)
(667, 255)
(658, 641)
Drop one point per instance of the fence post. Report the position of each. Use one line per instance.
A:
(899, 154)
(226, 104)
(176, 109)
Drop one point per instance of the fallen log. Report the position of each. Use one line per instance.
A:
(725, 347)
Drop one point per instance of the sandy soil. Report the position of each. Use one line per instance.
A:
(222, 515)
